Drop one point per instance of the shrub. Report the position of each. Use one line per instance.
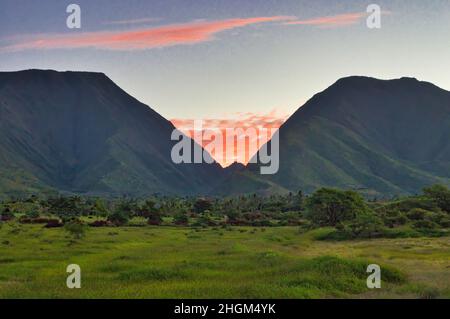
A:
(99, 223)
(53, 223)
(39, 220)
(417, 214)
(118, 218)
(394, 218)
(181, 219)
(366, 225)
(6, 214)
(201, 205)
(33, 214)
(328, 207)
(75, 228)
(440, 194)
(205, 220)
(425, 224)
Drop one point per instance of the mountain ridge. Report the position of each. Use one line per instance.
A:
(360, 133)
(79, 132)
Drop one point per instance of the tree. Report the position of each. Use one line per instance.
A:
(149, 211)
(6, 214)
(118, 218)
(122, 212)
(65, 208)
(328, 207)
(201, 205)
(418, 214)
(128, 207)
(365, 225)
(440, 194)
(181, 219)
(100, 208)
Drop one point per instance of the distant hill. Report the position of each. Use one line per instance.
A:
(79, 132)
(381, 137)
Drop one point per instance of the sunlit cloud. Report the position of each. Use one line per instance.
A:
(333, 21)
(264, 126)
(138, 39)
(131, 21)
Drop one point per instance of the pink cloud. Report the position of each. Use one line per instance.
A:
(271, 121)
(132, 21)
(331, 21)
(145, 38)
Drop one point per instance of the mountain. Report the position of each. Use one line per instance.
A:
(79, 132)
(378, 136)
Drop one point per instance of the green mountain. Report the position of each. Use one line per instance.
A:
(377, 136)
(79, 132)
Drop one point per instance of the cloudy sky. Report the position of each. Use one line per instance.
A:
(229, 59)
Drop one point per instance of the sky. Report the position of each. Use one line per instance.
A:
(229, 61)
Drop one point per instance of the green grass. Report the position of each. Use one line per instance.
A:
(171, 262)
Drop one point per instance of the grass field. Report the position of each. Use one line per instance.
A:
(238, 262)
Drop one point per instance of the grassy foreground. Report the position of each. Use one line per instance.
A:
(237, 262)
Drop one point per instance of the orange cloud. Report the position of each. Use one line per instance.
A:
(132, 21)
(332, 21)
(161, 36)
(262, 125)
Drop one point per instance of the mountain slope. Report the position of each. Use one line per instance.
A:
(380, 136)
(79, 132)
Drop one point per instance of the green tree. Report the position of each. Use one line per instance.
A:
(65, 208)
(201, 205)
(365, 225)
(149, 211)
(6, 213)
(100, 207)
(440, 194)
(181, 219)
(328, 207)
(123, 211)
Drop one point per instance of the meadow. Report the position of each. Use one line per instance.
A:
(217, 262)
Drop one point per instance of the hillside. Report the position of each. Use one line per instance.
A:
(381, 137)
(79, 132)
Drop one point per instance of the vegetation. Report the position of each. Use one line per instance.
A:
(283, 246)
(215, 262)
(346, 211)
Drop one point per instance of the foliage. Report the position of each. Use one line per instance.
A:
(181, 219)
(201, 205)
(440, 194)
(328, 207)
(75, 228)
(151, 213)
(365, 225)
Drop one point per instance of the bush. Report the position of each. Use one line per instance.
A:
(118, 218)
(417, 214)
(6, 214)
(205, 220)
(75, 228)
(328, 207)
(99, 223)
(440, 194)
(425, 224)
(202, 205)
(394, 218)
(32, 214)
(39, 220)
(53, 223)
(181, 219)
(365, 225)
